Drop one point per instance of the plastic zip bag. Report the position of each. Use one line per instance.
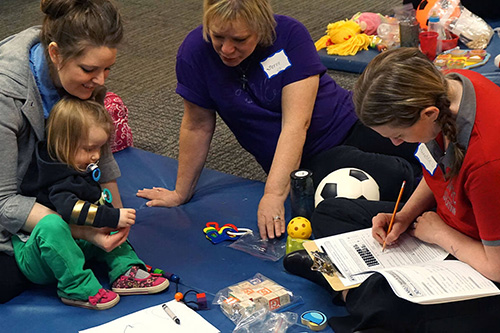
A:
(472, 30)
(270, 249)
(243, 299)
(263, 321)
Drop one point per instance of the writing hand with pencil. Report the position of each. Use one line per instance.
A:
(380, 227)
(387, 227)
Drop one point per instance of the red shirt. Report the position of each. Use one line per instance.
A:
(470, 202)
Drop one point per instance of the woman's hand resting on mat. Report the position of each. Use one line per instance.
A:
(160, 196)
(270, 216)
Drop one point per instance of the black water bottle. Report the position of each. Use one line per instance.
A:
(302, 193)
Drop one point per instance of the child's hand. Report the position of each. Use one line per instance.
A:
(127, 217)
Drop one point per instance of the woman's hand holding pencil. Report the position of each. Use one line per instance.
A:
(383, 223)
(394, 213)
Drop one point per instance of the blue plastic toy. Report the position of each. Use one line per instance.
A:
(315, 320)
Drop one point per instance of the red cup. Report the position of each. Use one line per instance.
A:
(428, 43)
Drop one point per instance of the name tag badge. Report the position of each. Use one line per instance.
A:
(275, 64)
(425, 157)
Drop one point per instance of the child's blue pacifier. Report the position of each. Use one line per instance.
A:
(106, 196)
(94, 169)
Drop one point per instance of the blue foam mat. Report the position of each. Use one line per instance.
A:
(353, 64)
(172, 239)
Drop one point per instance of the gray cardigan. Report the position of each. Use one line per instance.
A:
(21, 126)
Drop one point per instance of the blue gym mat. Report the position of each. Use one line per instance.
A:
(358, 62)
(172, 239)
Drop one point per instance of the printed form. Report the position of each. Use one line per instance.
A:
(438, 282)
(358, 252)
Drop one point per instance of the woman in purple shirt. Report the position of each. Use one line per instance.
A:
(261, 73)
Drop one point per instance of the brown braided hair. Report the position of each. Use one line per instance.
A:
(396, 86)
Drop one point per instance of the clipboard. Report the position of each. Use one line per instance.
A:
(334, 280)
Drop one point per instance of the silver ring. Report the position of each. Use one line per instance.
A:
(414, 225)
(276, 218)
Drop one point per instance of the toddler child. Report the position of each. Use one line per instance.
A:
(63, 176)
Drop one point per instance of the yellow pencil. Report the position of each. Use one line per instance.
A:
(394, 212)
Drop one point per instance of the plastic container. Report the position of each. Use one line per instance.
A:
(474, 58)
(472, 30)
(435, 25)
(441, 60)
(456, 63)
(301, 193)
(388, 31)
(458, 53)
(408, 25)
(428, 43)
(448, 44)
(479, 53)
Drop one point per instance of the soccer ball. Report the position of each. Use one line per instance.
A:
(348, 183)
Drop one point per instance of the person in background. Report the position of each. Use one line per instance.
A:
(261, 73)
(71, 54)
(403, 97)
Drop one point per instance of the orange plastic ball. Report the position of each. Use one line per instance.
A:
(423, 12)
(179, 296)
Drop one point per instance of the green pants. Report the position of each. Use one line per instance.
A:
(52, 255)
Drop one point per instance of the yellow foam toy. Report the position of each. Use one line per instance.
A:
(299, 230)
(343, 38)
(299, 227)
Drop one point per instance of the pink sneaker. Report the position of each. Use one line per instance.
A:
(130, 285)
(104, 299)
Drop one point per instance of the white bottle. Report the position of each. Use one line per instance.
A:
(435, 25)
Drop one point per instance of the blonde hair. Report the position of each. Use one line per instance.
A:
(69, 123)
(396, 86)
(256, 14)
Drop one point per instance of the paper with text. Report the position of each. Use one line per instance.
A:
(155, 319)
(438, 282)
(357, 252)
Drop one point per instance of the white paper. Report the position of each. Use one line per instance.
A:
(438, 282)
(357, 252)
(155, 319)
